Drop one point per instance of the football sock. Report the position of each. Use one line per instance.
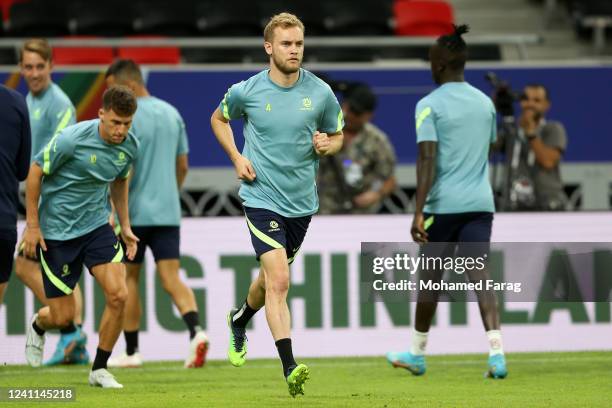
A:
(286, 355)
(37, 329)
(71, 328)
(419, 343)
(101, 359)
(243, 315)
(192, 320)
(131, 342)
(495, 342)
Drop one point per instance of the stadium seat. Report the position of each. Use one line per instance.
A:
(238, 20)
(37, 18)
(310, 12)
(111, 18)
(423, 17)
(583, 9)
(83, 55)
(5, 8)
(150, 55)
(370, 17)
(165, 18)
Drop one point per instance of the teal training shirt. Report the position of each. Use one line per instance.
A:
(279, 124)
(50, 112)
(78, 167)
(154, 194)
(462, 120)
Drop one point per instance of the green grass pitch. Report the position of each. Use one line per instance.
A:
(535, 379)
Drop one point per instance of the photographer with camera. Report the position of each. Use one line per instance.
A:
(361, 175)
(533, 148)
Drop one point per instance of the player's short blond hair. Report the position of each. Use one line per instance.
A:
(283, 20)
(39, 46)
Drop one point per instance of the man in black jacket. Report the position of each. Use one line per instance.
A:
(15, 145)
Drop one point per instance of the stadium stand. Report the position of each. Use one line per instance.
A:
(37, 18)
(423, 17)
(166, 18)
(111, 18)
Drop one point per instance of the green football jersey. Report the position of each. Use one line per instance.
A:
(78, 166)
(50, 112)
(154, 194)
(279, 124)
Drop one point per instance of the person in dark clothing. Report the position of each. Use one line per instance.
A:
(15, 145)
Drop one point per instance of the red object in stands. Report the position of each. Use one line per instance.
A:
(5, 6)
(423, 17)
(151, 55)
(82, 55)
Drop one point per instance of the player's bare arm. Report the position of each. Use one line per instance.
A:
(327, 144)
(33, 236)
(223, 132)
(119, 195)
(426, 173)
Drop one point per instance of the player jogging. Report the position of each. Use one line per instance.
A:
(291, 118)
(50, 111)
(155, 212)
(456, 123)
(72, 176)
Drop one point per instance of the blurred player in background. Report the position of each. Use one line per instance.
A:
(155, 211)
(71, 176)
(50, 111)
(291, 118)
(456, 124)
(15, 144)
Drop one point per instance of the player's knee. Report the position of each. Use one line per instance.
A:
(117, 297)
(170, 281)
(278, 285)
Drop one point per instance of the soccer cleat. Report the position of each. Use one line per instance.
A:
(197, 351)
(296, 379)
(79, 356)
(126, 361)
(407, 360)
(497, 367)
(102, 378)
(237, 349)
(35, 345)
(66, 347)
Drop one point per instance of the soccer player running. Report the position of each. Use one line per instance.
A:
(50, 111)
(155, 211)
(454, 202)
(291, 118)
(72, 176)
(15, 144)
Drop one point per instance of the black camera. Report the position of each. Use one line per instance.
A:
(504, 96)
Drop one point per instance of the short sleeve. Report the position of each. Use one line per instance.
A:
(332, 120)
(554, 135)
(425, 122)
(61, 116)
(59, 149)
(125, 173)
(183, 142)
(232, 105)
(493, 125)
